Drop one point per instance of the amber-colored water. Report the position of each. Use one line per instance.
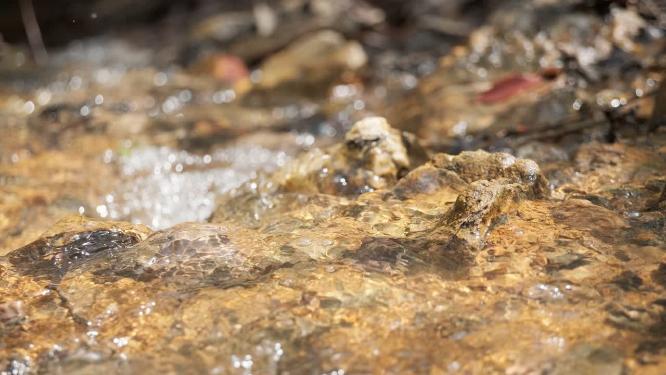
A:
(303, 219)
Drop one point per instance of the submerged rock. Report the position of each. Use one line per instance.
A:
(295, 291)
(187, 256)
(73, 242)
(370, 255)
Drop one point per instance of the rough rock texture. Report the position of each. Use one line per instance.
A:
(338, 246)
(373, 156)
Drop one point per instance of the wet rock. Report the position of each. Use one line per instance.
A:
(596, 156)
(222, 27)
(11, 314)
(533, 75)
(603, 223)
(487, 185)
(59, 123)
(448, 256)
(184, 256)
(480, 165)
(627, 24)
(543, 153)
(391, 152)
(566, 261)
(456, 172)
(628, 280)
(383, 148)
(358, 257)
(659, 113)
(659, 275)
(52, 256)
(166, 267)
(588, 359)
(373, 156)
(255, 31)
(654, 341)
(629, 317)
(315, 58)
(428, 179)
(55, 255)
(477, 208)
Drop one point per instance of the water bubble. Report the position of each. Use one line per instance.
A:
(453, 366)
(120, 341)
(460, 128)
(75, 83)
(102, 76)
(44, 97)
(409, 81)
(556, 341)
(244, 362)
(85, 111)
(224, 96)
(305, 139)
(28, 107)
(160, 79)
(359, 104)
(256, 75)
(185, 96)
(102, 210)
(278, 351)
(108, 156)
(615, 103)
(171, 104)
(343, 91)
(545, 292)
(577, 105)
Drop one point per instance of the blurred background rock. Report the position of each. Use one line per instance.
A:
(250, 29)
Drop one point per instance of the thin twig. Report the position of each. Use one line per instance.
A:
(2, 48)
(33, 32)
(568, 126)
(560, 130)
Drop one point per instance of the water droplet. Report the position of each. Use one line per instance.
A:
(29, 107)
(102, 210)
(85, 111)
(160, 79)
(99, 99)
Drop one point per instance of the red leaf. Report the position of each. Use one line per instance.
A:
(508, 87)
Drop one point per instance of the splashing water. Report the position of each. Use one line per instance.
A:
(163, 186)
